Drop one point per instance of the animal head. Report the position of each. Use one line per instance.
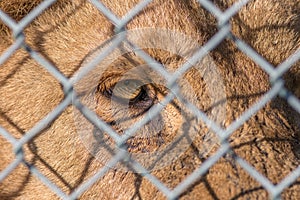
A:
(139, 93)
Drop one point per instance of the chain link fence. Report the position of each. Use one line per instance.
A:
(223, 18)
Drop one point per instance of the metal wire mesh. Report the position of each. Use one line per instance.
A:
(275, 75)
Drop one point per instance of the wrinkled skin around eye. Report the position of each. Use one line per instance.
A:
(127, 104)
(124, 99)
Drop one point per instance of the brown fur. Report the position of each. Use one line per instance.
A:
(68, 31)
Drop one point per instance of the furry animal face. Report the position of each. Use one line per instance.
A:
(130, 83)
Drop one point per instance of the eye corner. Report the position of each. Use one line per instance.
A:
(142, 97)
(104, 90)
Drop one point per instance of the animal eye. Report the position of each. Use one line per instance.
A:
(130, 91)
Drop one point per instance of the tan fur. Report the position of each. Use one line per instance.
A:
(68, 31)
